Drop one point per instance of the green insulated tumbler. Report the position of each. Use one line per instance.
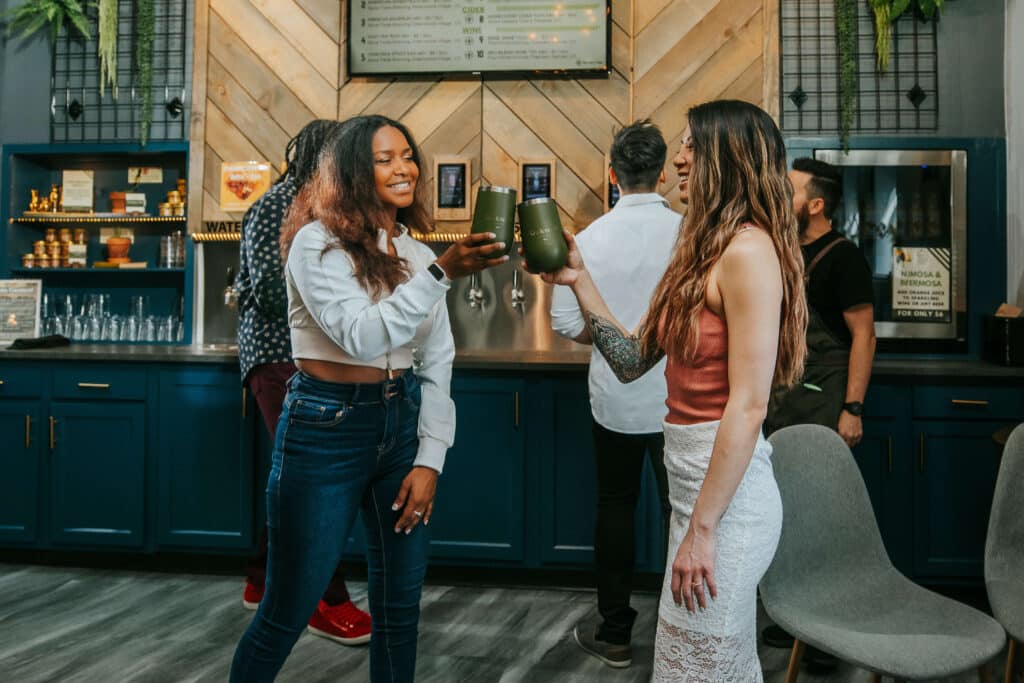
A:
(496, 212)
(543, 243)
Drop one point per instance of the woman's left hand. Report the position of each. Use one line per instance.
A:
(416, 497)
(693, 567)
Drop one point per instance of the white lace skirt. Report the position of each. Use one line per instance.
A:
(718, 644)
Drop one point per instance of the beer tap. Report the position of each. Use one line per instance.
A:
(475, 296)
(518, 294)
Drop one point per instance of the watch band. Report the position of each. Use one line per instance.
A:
(437, 271)
(855, 408)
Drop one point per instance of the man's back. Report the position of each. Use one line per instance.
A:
(626, 251)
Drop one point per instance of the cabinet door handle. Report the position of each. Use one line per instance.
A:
(52, 423)
(969, 402)
(92, 385)
(28, 431)
(245, 399)
(920, 452)
(515, 409)
(890, 454)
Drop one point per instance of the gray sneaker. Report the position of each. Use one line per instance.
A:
(617, 656)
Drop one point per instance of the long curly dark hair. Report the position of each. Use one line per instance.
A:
(343, 197)
(738, 177)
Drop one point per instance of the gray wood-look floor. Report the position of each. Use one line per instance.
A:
(99, 626)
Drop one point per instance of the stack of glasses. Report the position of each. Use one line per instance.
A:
(93, 321)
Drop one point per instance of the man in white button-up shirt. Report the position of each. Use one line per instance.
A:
(626, 251)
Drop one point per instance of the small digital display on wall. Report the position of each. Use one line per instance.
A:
(389, 37)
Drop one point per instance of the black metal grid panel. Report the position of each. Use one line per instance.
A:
(904, 98)
(79, 114)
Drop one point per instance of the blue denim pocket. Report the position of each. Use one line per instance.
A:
(414, 396)
(316, 412)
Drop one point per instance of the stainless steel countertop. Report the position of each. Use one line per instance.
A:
(567, 356)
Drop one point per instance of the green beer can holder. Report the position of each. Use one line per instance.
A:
(544, 244)
(495, 212)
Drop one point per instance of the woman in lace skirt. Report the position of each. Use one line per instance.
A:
(730, 316)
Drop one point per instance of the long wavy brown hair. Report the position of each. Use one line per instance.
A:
(342, 195)
(738, 178)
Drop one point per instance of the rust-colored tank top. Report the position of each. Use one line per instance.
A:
(697, 391)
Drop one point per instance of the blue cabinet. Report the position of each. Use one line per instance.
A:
(885, 466)
(205, 459)
(21, 438)
(955, 475)
(97, 472)
(479, 510)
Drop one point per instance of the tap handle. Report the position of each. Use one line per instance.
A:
(516, 282)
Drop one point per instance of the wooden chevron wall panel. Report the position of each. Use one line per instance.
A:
(263, 68)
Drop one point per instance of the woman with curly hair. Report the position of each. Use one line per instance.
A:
(360, 430)
(730, 316)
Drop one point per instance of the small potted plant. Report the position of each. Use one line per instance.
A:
(118, 202)
(117, 248)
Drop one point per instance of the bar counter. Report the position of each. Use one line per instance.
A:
(478, 359)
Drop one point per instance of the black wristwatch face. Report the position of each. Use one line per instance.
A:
(436, 271)
(854, 408)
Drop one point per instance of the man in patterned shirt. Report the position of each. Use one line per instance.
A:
(265, 355)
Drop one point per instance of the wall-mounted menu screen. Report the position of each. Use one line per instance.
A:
(396, 37)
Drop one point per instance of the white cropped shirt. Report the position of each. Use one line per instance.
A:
(331, 317)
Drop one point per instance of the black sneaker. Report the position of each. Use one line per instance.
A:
(819, 663)
(617, 656)
(776, 636)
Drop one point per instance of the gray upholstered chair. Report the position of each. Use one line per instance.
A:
(1004, 546)
(832, 585)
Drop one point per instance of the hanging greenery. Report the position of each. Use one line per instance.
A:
(846, 35)
(107, 44)
(145, 31)
(887, 12)
(33, 15)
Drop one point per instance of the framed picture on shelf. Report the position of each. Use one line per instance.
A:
(536, 178)
(452, 178)
(19, 309)
(76, 191)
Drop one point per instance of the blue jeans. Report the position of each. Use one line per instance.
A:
(339, 448)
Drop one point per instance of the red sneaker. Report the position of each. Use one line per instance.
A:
(344, 623)
(252, 595)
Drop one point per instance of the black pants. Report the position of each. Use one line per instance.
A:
(619, 459)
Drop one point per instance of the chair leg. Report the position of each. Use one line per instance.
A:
(794, 661)
(876, 678)
(1011, 660)
(984, 674)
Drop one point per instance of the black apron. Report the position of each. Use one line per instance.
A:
(819, 396)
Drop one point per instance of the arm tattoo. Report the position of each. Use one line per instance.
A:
(623, 352)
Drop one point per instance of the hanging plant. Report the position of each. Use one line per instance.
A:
(107, 44)
(145, 31)
(886, 13)
(846, 37)
(33, 15)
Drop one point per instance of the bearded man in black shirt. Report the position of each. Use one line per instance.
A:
(840, 333)
(841, 329)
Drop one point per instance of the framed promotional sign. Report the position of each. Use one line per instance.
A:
(452, 178)
(20, 301)
(536, 178)
(242, 183)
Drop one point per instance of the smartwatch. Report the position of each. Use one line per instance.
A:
(855, 408)
(437, 271)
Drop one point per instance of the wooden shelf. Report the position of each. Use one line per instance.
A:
(37, 272)
(91, 218)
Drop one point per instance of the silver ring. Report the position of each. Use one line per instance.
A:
(417, 513)
(696, 585)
